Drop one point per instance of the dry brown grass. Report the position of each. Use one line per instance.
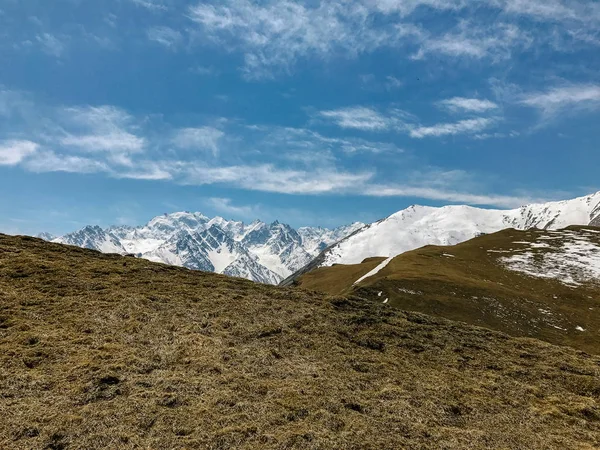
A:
(473, 287)
(100, 351)
(336, 279)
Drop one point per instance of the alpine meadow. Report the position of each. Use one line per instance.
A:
(299, 224)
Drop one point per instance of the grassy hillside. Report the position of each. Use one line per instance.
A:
(101, 351)
(473, 283)
(336, 279)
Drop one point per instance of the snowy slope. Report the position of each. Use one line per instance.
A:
(95, 238)
(571, 257)
(262, 252)
(46, 236)
(315, 240)
(417, 226)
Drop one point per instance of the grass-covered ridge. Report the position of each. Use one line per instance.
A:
(102, 351)
(533, 283)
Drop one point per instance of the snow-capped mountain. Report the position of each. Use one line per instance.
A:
(46, 236)
(261, 252)
(95, 238)
(418, 226)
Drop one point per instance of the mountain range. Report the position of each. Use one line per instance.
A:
(261, 252)
(270, 253)
(417, 226)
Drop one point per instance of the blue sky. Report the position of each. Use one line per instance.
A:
(313, 112)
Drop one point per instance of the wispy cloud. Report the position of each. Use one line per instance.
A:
(51, 45)
(448, 195)
(150, 170)
(48, 161)
(274, 35)
(14, 152)
(283, 160)
(568, 98)
(467, 126)
(202, 138)
(405, 8)
(462, 104)
(165, 36)
(12, 102)
(269, 178)
(554, 10)
(204, 70)
(100, 128)
(226, 206)
(368, 119)
(152, 5)
(472, 40)
(302, 144)
(110, 142)
(392, 83)
(358, 117)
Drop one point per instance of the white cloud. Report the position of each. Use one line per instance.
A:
(12, 102)
(225, 206)
(564, 98)
(268, 178)
(472, 40)
(151, 5)
(100, 128)
(49, 161)
(368, 119)
(448, 129)
(552, 10)
(457, 104)
(392, 82)
(204, 138)
(301, 144)
(108, 140)
(111, 142)
(165, 36)
(407, 7)
(505, 201)
(149, 170)
(51, 45)
(103, 117)
(204, 70)
(14, 152)
(273, 35)
(359, 117)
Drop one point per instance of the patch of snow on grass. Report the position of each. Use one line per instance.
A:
(578, 328)
(375, 270)
(539, 245)
(408, 291)
(573, 261)
(448, 255)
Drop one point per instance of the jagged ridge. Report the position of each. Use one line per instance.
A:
(266, 253)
